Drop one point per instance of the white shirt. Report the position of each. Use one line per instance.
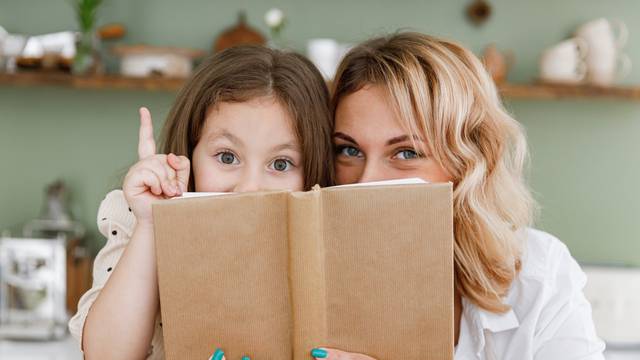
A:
(550, 318)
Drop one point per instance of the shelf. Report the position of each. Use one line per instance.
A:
(101, 82)
(510, 91)
(558, 91)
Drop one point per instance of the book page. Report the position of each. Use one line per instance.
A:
(407, 181)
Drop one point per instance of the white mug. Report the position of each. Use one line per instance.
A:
(12, 47)
(564, 62)
(326, 55)
(3, 35)
(605, 61)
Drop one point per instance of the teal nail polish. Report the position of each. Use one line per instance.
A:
(217, 355)
(245, 358)
(319, 353)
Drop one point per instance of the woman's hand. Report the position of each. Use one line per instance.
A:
(318, 353)
(219, 355)
(333, 354)
(154, 176)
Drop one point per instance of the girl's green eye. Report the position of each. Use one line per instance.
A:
(227, 158)
(349, 151)
(281, 165)
(407, 155)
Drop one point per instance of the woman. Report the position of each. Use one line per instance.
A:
(411, 105)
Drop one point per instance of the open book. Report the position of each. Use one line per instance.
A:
(271, 275)
(408, 181)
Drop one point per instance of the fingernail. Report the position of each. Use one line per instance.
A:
(319, 353)
(217, 355)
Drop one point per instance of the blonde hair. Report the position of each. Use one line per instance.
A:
(441, 92)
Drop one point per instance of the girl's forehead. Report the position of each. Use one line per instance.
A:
(261, 120)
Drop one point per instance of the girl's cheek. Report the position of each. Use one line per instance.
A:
(294, 180)
(298, 184)
(210, 179)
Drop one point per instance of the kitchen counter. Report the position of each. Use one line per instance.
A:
(622, 355)
(66, 349)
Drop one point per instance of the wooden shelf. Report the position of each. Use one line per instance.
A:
(101, 82)
(511, 91)
(558, 91)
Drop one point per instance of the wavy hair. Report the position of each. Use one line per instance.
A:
(441, 92)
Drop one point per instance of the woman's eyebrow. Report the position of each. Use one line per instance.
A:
(345, 137)
(402, 138)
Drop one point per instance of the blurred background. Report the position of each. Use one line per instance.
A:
(74, 72)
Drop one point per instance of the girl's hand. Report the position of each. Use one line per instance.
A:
(333, 354)
(154, 176)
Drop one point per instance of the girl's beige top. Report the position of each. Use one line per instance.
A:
(116, 223)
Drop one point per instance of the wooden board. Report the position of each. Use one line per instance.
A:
(91, 82)
(559, 91)
(533, 91)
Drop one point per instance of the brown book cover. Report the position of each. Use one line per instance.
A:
(272, 275)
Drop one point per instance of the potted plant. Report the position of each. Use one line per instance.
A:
(87, 59)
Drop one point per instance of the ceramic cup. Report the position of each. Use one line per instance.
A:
(605, 62)
(565, 62)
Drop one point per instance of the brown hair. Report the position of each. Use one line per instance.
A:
(247, 72)
(441, 91)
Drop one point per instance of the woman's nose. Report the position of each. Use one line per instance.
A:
(374, 171)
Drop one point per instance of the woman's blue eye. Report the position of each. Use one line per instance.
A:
(227, 158)
(349, 151)
(281, 164)
(407, 154)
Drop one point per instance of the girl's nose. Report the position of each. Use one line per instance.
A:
(251, 180)
(247, 186)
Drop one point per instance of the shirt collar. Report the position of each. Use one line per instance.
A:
(480, 320)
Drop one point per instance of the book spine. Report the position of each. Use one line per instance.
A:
(307, 273)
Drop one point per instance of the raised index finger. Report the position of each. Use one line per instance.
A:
(146, 144)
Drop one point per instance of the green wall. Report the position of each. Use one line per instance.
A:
(584, 152)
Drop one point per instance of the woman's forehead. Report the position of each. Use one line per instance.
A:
(369, 111)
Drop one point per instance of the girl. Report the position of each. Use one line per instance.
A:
(249, 119)
(410, 105)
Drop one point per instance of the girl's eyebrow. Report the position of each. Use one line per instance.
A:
(287, 146)
(345, 137)
(227, 135)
